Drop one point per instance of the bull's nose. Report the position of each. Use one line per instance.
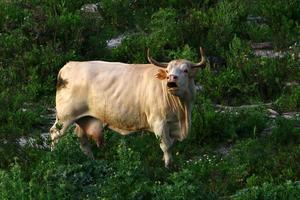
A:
(172, 78)
(172, 84)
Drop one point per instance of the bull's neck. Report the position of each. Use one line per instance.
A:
(189, 96)
(184, 104)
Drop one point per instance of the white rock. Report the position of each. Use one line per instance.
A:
(115, 42)
(91, 8)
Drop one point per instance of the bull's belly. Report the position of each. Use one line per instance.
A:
(123, 122)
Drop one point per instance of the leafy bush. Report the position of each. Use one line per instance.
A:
(186, 184)
(166, 31)
(283, 18)
(131, 50)
(225, 124)
(287, 190)
(225, 23)
(286, 131)
(259, 32)
(290, 100)
(12, 181)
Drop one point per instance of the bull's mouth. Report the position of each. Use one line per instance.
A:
(172, 85)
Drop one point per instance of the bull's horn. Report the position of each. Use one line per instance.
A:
(202, 62)
(154, 62)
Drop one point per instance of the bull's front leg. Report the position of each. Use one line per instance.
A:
(162, 131)
(165, 145)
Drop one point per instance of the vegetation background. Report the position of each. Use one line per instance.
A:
(231, 153)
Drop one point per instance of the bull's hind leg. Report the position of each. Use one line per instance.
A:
(84, 142)
(57, 130)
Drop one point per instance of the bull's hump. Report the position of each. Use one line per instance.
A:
(100, 63)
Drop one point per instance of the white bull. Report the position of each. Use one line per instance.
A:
(156, 97)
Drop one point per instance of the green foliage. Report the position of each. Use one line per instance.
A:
(185, 53)
(52, 179)
(259, 32)
(221, 126)
(127, 180)
(283, 18)
(287, 190)
(248, 79)
(225, 23)
(12, 181)
(132, 49)
(166, 30)
(290, 101)
(285, 131)
(17, 119)
(196, 26)
(67, 173)
(185, 184)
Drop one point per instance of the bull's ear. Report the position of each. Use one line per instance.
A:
(161, 75)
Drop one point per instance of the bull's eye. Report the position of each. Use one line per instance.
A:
(167, 71)
(185, 71)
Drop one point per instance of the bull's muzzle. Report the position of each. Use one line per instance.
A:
(172, 84)
(172, 81)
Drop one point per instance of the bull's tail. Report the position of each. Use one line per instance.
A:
(61, 83)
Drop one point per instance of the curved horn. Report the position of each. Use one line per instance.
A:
(154, 62)
(202, 62)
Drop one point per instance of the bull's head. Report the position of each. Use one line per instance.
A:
(178, 73)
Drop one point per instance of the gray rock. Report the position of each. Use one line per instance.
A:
(115, 42)
(90, 8)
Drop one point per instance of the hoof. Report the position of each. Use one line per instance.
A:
(100, 144)
(168, 165)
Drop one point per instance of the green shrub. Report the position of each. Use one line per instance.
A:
(259, 32)
(127, 180)
(286, 131)
(17, 119)
(166, 32)
(196, 26)
(131, 50)
(223, 125)
(183, 185)
(288, 190)
(283, 19)
(290, 100)
(185, 53)
(225, 22)
(11, 182)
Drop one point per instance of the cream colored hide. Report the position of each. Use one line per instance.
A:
(126, 98)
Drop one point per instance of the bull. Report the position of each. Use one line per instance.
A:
(156, 97)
